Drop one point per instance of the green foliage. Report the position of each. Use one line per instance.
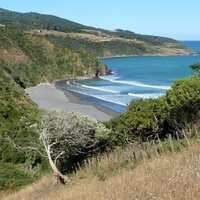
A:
(147, 119)
(183, 101)
(12, 177)
(36, 60)
(115, 47)
(196, 67)
(102, 49)
(143, 120)
(27, 21)
(14, 106)
(122, 42)
(14, 102)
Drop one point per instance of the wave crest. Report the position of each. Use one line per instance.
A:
(146, 96)
(100, 88)
(135, 83)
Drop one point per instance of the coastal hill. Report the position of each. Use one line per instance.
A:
(37, 48)
(31, 60)
(97, 42)
(27, 60)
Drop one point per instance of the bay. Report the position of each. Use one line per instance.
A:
(135, 77)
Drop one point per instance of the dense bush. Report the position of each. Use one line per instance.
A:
(183, 101)
(143, 120)
(12, 177)
(102, 49)
(15, 105)
(196, 67)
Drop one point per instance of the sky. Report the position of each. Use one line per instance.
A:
(178, 19)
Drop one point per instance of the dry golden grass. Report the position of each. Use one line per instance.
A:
(174, 176)
(14, 54)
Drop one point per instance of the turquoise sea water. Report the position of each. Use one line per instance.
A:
(136, 77)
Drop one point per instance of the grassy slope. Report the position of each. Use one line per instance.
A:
(167, 177)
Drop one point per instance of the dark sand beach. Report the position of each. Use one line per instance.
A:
(51, 97)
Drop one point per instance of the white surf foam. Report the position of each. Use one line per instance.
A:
(102, 97)
(114, 79)
(146, 96)
(100, 89)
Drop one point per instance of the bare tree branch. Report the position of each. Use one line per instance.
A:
(58, 156)
(27, 148)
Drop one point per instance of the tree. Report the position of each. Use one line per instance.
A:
(196, 67)
(183, 102)
(64, 135)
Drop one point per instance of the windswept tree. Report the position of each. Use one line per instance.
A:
(67, 134)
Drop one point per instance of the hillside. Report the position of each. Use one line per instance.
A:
(37, 48)
(111, 44)
(33, 59)
(26, 21)
(164, 177)
(15, 106)
(27, 60)
(98, 42)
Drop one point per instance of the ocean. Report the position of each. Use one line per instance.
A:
(135, 77)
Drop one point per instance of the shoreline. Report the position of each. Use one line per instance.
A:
(75, 97)
(49, 96)
(100, 104)
(143, 55)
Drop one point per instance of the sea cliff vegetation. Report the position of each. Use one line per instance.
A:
(32, 52)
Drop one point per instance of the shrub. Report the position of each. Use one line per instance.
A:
(12, 177)
(143, 120)
(183, 101)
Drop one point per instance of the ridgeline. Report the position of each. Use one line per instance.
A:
(97, 42)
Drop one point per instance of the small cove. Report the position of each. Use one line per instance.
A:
(136, 77)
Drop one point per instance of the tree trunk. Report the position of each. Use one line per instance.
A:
(63, 179)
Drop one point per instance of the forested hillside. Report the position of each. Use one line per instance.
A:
(15, 105)
(97, 42)
(33, 59)
(26, 21)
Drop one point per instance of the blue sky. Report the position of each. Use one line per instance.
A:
(178, 19)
